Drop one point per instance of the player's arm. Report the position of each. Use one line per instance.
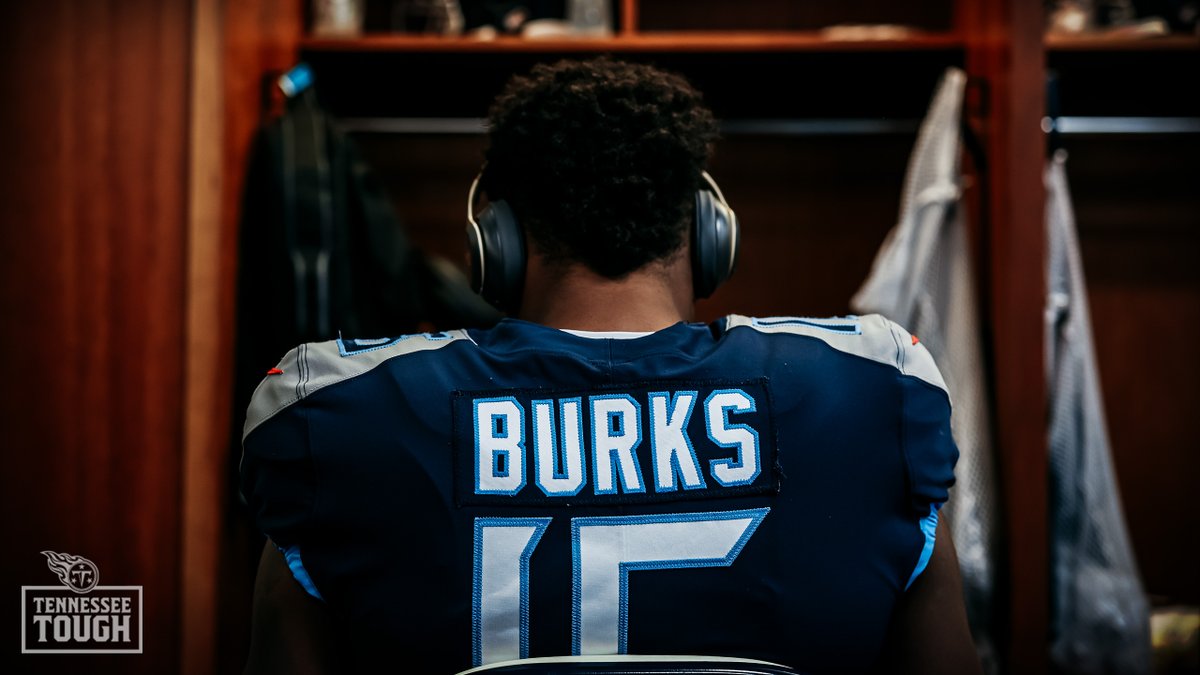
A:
(929, 632)
(292, 632)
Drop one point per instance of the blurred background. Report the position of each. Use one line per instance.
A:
(190, 187)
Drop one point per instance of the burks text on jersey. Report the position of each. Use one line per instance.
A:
(658, 441)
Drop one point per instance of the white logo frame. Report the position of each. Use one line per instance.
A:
(140, 626)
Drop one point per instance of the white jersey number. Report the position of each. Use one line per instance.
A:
(604, 551)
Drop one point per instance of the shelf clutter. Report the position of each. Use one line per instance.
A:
(634, 26)
(722, 41)
(664, 41)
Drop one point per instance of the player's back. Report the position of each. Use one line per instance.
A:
(754, 487)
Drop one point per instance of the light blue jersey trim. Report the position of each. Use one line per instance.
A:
(929, 529)
(292, 555)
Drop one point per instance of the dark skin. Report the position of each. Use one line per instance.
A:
(292, 631)
(929, 632)
(572, 296)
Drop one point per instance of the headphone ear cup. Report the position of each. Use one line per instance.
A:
(714, 244)
(497, 254)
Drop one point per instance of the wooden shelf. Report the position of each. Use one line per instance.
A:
(749, 41)
(1103, 43)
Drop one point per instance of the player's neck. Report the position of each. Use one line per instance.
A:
(575, 297)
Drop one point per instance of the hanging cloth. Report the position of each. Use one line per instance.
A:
(1100, 621)
(922, 278)
(322, 252)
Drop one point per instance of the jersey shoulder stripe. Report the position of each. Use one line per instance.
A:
(870, 336)
(313, 366)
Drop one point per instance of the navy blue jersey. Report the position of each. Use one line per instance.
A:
(764, 488)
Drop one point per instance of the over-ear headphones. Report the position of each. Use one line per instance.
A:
(496, 246)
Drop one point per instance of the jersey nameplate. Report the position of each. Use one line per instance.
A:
(634, 443)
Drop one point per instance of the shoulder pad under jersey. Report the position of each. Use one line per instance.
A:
(870, 336)
(315, 365)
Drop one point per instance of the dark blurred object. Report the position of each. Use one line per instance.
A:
(1115, 12)
(322, 253)
(1180, 15)
(1140, 17)
(414, 16)
(429, 16)
(319, 252)
(508, 16)
(439, 17)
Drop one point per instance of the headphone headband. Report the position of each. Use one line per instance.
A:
(478, 253)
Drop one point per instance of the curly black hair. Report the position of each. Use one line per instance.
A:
(600, 160)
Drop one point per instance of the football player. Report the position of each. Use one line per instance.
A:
(598, 474)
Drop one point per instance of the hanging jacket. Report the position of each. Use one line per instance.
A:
(922, 278)
(322, 254)
(1100, 621)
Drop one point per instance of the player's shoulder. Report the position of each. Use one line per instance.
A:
(870, 336)
(312, 366)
